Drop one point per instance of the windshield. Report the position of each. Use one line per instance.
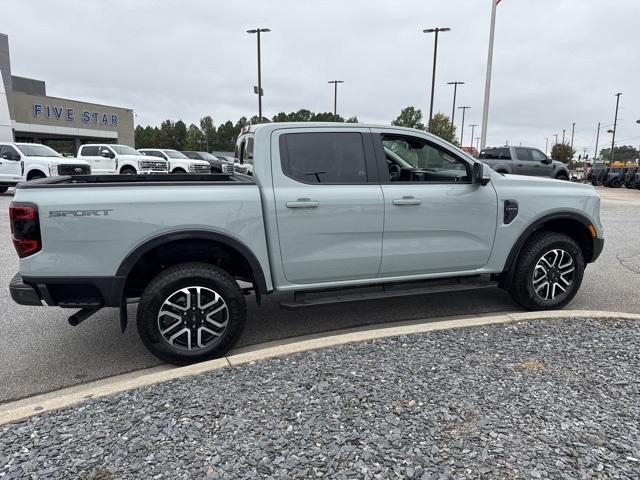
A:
(175, 154)
(124, 150)
(36, 150)
(206, 156)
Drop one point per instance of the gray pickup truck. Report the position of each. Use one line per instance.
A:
(333, 213)
(523, 161)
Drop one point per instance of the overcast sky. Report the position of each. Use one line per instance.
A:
(556, 61)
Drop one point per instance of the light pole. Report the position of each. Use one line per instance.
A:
(335, 95)
(455, 91)
(563, 132)
(556, 135)
(487, 83)
(478, 144)
(546, 146)
(595, 155)
(473, 131)
(573, 131)
(464, 109)
(436, 30)
(615, 125)
(258, 31)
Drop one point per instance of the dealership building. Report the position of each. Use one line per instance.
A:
(28, 114)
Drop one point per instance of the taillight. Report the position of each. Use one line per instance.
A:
(25, 228)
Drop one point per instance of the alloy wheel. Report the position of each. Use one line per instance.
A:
(553, 274)
(193, 318)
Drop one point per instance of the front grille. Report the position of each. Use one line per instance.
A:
(74, 170)
(227, 168)
(200, 168)
(153, 165)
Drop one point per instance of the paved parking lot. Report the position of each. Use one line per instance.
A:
(42, 352)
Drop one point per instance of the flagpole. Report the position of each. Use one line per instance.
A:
(487, 85)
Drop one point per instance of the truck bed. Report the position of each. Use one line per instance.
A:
(138, 180)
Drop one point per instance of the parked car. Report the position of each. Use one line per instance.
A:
(243, 154)
(119, 159)
(218, 165)
(523, 161)
(632, 179)
(336, 213)
(21, 162)
(178, 162)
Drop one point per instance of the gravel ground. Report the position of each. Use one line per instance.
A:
(540, 399)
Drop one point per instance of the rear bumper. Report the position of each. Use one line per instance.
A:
(22, 293)
(598, 245)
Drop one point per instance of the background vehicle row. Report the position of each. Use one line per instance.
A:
(119, 159)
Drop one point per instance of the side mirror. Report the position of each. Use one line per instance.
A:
(547, 161)
(106, 154)
(481, 173)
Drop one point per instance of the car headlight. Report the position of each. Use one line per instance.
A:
(53, 170)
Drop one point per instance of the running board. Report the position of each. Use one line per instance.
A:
(307, 299)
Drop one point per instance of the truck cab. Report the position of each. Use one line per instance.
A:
(178, 162)
(21, 162)
(120, 159)
(523, 161)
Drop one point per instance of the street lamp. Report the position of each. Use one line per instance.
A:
(436, 30)
(258, 90)
(473, 129)
(546, 145)
(455, 91)
(335, 95)
(464, 109)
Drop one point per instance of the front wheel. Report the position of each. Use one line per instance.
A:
(562, 177)
(3, 189)
(548, 272)
(191, 312)
(128, 171)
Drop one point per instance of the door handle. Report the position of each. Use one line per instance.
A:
(303, 203)
(406, 201)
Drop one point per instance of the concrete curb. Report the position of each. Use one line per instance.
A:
(22, 409)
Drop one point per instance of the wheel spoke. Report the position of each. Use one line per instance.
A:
(553, 274)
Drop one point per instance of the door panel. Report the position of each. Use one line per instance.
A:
(448, 228)
(543, 169)
(436, 220)
(327, 232)
(10, 170)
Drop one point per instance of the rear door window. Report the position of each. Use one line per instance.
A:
(89, 151)
(324, 157)
(523, 154)
(495, 154)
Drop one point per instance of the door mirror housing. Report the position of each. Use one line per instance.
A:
(481, 173)
(106, 154)
(547, 161)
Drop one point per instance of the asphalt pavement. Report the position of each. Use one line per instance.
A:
(40, 351)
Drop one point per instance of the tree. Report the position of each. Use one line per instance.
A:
(562, 152)
(409, 117)
(195, 139)
(624, 153)
(442, 127)
(179, 135)
(208, 130)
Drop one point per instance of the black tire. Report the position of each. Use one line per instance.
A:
(128, 171)
(3, 189)
(539, 244)
(179, 170)
(562, 176)
(164, 286)
(36, 176)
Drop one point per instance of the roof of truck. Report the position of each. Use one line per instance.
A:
(278, 125)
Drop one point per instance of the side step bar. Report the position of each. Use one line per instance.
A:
(316, 298)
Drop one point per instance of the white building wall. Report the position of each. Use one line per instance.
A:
(6, 132)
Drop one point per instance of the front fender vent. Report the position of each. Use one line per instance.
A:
(510, 211)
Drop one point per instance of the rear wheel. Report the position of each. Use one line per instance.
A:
(128, 171)
(562, 176)
(179, 170)
(191, 312)
(548, 272)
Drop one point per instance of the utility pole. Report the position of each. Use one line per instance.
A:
(595, 155)
(573, 131)
(464, 109)
(487, 85)
(556, 135)
(259, 88)
(335, 95)
(473, 129)
(478, 144)
(563, 132)
(436, 30)
(615, 125)
(546, 146)
(455, 91)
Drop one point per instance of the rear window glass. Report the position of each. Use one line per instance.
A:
(495, 154)
(323, 157)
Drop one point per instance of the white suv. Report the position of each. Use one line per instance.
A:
(178, 162)
(112, 159)
(30, 161)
